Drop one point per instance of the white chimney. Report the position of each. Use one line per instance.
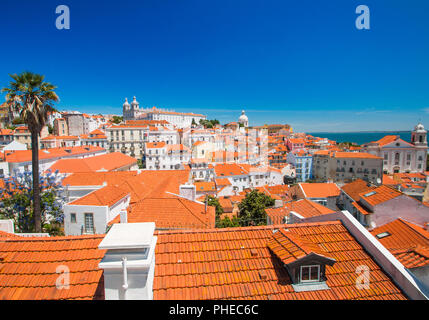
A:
(7, 226)
(188, 191)
(278, 203)
(124, 216)
(129, 263)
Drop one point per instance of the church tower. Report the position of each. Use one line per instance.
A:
(126, 110)
(419, 136)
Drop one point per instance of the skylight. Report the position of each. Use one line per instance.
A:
(383, 235)
(370, 194)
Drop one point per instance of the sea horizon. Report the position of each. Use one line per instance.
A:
(360, 137)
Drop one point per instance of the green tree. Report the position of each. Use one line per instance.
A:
(33, 98)
(117, 119)
(16, 199)
(228, 223)
(252, 208)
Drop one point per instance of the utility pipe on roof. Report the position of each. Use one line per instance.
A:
(124, 269)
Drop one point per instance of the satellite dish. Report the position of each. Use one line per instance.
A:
(378, 181)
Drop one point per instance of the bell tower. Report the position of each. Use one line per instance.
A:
(419, 136)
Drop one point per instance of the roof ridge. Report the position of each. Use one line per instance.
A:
(264, 227)
(411, 226)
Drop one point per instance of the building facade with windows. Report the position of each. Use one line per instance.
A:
(401, 156)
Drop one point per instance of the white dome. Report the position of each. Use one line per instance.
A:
(243, 118)
(134, 102)
(126, 105)
(419, 128)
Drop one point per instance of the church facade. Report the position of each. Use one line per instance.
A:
(399, 155)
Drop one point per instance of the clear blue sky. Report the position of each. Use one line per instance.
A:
(298, 62)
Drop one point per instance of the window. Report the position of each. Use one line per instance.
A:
(382, 235)
(89, 223)
(73, 217)
(310, 273)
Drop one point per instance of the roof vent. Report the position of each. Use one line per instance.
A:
(253, 252)
(263, 275)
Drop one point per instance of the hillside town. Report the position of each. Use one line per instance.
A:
(158, 204)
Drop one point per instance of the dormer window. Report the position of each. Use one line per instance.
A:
(304, 260)
(310, 273)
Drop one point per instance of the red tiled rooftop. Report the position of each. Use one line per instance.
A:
(106, 196)
(408, 242)
(320, 190)
(171, 212)
(105, 162)
(307, 208)
(353, 189)
(228, 263)
(28, 268)
(379, 195)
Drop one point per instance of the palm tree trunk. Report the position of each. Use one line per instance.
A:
(36, 187)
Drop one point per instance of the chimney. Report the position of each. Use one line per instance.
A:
(124, 216)
(188, 191)
(129, 262)
(278, 203)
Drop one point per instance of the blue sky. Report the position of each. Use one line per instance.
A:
(297, 62)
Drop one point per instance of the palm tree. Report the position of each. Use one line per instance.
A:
(33, 98)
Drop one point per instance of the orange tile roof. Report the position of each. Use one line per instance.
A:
(171, 213)
(152, 145)
(320, 190)
(386, 140)
(28, 268)
(308, 208)
(359, 155)
(223, 182)
(379, 195)
(361, 209)
(98, 178)
(353, 189)
(229, 263)
(277, 215)
(408, 242)
(105, 162)
(25, 155)
(290, 247)
(106, 196)
(232, 169)
(205, 186)
(389, 181)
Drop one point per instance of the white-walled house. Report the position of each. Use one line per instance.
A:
(92, 213)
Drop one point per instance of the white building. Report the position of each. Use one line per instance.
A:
(399, 155)
(162, 156)
(92, 213)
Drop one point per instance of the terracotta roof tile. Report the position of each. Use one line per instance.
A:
(105, 162)
(106, 196)
(308, 208)
(320, 190)
(379, 195)
(353, 189)
(408, 242)
(28, 268)
(171, 213)
(221, 264)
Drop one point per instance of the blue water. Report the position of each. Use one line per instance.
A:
(360, 137)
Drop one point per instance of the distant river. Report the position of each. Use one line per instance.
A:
(361, 137)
